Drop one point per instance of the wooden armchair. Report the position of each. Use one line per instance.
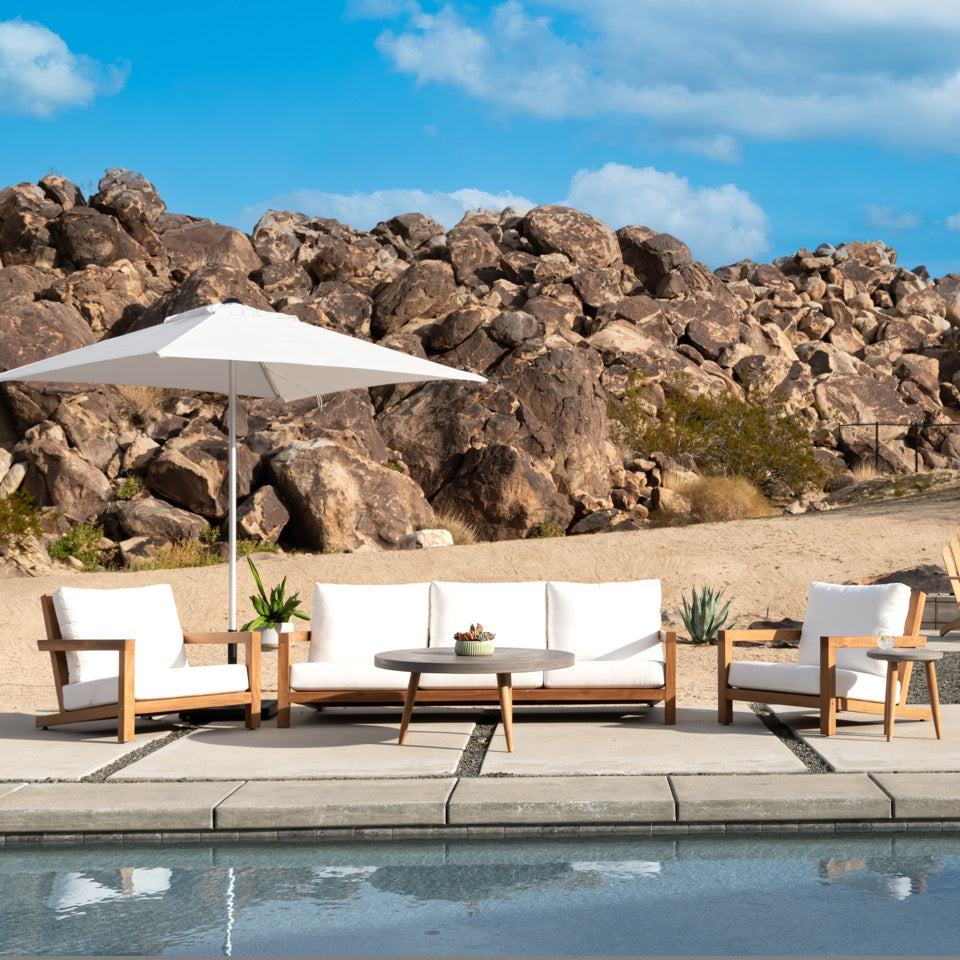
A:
(121, 653)
(832, 671)
(951, 561)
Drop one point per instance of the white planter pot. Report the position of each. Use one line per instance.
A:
(269, 636)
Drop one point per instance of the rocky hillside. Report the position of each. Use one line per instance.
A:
(554, 307)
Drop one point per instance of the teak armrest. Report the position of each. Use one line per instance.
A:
(294, 636)
(835, 643)
(220, 636)
(61, 645)
(779, 635)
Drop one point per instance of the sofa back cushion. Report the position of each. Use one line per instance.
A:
(352, 622)
(840, 610)
(605, 621)
(515, 612)
(146, 614)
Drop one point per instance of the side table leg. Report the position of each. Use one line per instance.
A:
(888, 703)
(408, 705)
(934, 696)
(504, 684)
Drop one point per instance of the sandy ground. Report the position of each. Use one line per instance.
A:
(765, 566)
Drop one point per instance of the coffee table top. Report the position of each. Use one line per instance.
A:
(444, 660)
(904, 654)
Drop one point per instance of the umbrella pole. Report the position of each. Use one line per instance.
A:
(232, 520)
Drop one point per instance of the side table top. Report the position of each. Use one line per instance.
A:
(906, 654)
(502, 660)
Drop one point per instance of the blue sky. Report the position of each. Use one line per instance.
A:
(746, 128)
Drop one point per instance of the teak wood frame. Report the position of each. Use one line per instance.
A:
(827, 701)
(667, 694)
(951, 561)
(127, 707)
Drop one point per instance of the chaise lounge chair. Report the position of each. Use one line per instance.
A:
(121, 653)
(951, 560)
(833, 671)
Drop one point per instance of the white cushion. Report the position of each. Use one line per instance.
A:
(805, 679)
(835, 610)
(345, 675)
(352, 622)
(159, 685)
(145, 614)
(610, 628)
(515, 612)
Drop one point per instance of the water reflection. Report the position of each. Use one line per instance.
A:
(895, 877)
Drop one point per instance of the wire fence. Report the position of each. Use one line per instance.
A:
(917, 430)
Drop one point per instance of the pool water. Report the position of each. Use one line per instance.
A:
(769, 895)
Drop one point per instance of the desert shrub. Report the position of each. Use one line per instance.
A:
(129, 488)
(181, 553)
(20, 520)
(246, 547)
(82, 542)
(462, 531)
(725, 498)
(546, 528)
(726, 436)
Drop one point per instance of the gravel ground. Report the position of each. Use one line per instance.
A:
(948, 681)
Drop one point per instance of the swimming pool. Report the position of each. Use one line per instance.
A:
(857, 894)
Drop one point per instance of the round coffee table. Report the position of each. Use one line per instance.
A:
(505, 662)
(893, 658)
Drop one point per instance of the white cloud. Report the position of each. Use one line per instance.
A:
(703, 73)
(953, 222)
(887, 218)
(719, 224)
(39, 74)
(363, 211)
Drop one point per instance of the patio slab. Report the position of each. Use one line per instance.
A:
(639, 745)
(307, 804)
(775, 797)
(313, 747)
(556, 800)
(860, 746)
(923, 796)
(69, 752)
(110, 807)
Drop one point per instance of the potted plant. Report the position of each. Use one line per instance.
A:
(274, 610)
(475, 642)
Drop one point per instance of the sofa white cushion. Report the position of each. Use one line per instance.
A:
(352, 622)
(835, 610)
(159, 685)
(515, 612)
(345, 675)
(613, 630)
(146, 614)
(805, 679)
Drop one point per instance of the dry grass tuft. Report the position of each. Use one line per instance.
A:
(181, 553)
(864, 470)
(463, 532)
(712, 499)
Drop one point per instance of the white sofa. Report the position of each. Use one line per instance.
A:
(613, 629)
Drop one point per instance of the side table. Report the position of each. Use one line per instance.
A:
(893, 659)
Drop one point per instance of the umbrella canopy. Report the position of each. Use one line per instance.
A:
(240, 351)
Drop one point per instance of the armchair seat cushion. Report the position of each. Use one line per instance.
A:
(804, 679)
(160, 685)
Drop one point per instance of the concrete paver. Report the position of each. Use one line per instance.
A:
(305, 804)
(640, 744)
(860, 746)
(7, 788)
(555, 800)
(760, 798)
(75, 807)
(923, 795)
(69, 752)
(314, 746)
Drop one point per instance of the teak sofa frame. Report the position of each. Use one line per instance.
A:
(827, 700)
(667, 694)
(951, 560)
(127, 707)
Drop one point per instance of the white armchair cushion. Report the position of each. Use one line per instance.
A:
(835, 610)
(352, 622)
(515, 612)
(613, 630)
(805, 679)
(146, 614)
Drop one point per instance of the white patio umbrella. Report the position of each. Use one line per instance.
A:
(240, 351)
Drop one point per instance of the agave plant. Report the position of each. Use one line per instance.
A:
(703, 616)
(476, 632)
(272, 608)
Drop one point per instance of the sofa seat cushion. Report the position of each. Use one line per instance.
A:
(805, 679)
(160, 685)
(345, 675)
(145, 614)
(839, 610)
(352, 622)
(633, 672)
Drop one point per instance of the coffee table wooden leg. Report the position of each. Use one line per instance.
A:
(934, 696)
(408, 705)
(889, 702)
(505, 686)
